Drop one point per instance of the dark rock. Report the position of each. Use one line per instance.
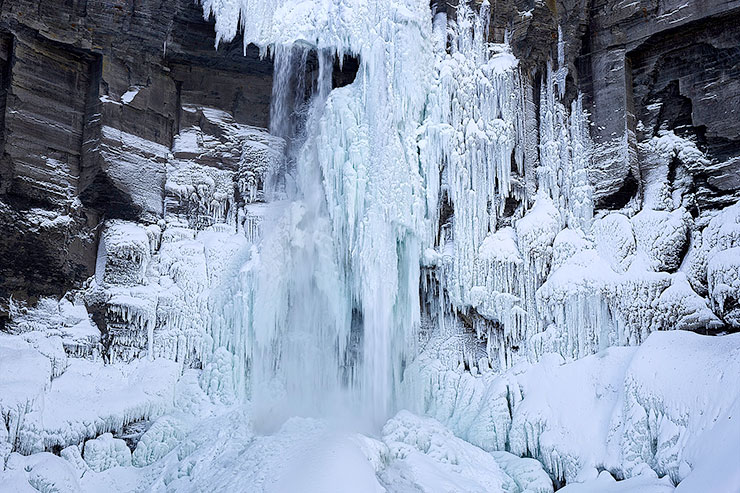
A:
(92, 95)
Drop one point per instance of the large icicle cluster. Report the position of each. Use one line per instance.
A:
(345, 254)
(510, 197)
(522, 258)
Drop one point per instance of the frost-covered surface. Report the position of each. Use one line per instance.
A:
(286, 279)
(627, 410)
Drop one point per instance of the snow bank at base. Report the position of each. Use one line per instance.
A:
(605, 483)
(426, 457)
(413, 454)
(662, 406)
(40, 472)
(207, 447)
(89, 399)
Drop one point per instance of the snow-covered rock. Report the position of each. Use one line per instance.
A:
(657, 407)
(90, 399)
(163, 436)
(123, 254)
(427, 457)
(105, 452)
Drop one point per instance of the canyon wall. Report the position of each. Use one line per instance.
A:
(94, 93)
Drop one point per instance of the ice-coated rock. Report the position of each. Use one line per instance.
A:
(105, 452)
(123, 254)
(163, 436)
(622, 409)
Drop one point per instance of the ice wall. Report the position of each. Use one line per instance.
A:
(437, 119)
(331, 296)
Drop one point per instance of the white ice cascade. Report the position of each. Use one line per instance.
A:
(482, 128)
(330, 301)
(326, 308)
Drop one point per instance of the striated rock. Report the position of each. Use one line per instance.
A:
(91, 97)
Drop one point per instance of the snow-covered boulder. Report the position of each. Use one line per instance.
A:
(680, 308)
(662, 237)
(43, 472)
(162, 437)
(723, 282)
(536, 232)
(105, 452)
(567, 243)
(615, 240)
(73, 455)
(722, 233)
(417, 446)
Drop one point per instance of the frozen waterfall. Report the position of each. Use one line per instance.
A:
(326, 312)
(423, 238)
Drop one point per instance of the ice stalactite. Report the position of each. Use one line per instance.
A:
(327, 308)
(510, 197)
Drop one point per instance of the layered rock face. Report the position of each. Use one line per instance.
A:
(93, 95)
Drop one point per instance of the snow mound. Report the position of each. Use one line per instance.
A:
(162, 437)
(105, 452)
(427, 457)
(663, 406)
(43, 472)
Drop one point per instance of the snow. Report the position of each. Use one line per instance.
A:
(605, 483)
(661, 237)
(40, 472)
(427, 457)
(105, 452)
(626, 410)
(129, 95)
(67, 319)
(123, 254)
(162, 437)
(26, 375)
(277, 295)
(90, 399)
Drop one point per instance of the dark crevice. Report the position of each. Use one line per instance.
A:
(113, 203)
(621, 197)
(345, 73)
(89, 155)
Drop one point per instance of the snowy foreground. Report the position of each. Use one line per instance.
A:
(668, 406)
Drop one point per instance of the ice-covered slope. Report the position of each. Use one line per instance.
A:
(626, 410)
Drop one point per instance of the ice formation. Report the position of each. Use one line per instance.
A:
(423, 237)
(627, 410)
